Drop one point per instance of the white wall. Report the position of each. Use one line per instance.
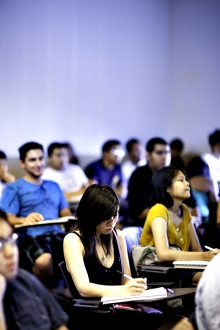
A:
(195, 72)
(90, 70)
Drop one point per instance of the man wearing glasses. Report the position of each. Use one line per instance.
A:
(158, 155)
(29, 200)
(25, 304)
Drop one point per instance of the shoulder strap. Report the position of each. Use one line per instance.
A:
(119, 249)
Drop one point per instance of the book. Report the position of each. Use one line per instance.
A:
(147, 295)
(47, 222)
(192, 264)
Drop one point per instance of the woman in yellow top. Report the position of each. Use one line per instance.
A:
(169, 221)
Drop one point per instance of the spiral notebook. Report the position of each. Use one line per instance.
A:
(193, 264)
(147, 295)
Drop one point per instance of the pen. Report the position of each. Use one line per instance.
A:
(169, 290)
(209, 248)
(127, 276)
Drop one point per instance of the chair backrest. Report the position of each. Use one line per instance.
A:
(132, 237)
(67, 278)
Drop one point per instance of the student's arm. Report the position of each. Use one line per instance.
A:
(2, 292)
(159, 230)
(31, 218)
(74, 253)
(65, 212)
(124, 253)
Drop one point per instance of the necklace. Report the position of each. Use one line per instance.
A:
(101, 255)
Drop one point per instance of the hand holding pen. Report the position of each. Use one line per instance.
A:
(135, 285)
(212, 252)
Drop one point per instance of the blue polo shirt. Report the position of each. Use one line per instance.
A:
(102, 175)
(22, 198)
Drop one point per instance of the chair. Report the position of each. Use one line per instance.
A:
(157, 275)
(132, 237)
(76, 304)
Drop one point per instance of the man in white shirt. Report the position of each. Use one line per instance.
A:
(135, 157)
(70, 177)
(213, 159)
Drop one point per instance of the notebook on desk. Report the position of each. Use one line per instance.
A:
(47, 222)
(147, 295)
(193, 264)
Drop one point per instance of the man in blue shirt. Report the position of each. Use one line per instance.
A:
(107, 170)
(30, 200)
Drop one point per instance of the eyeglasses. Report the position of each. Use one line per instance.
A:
(9, 240)
(117, 152)
(162, 152)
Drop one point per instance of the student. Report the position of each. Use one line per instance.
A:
(5, 176)
(169, 220)
(70, 177)
(107, 170)
(25, 304)
(92, 253)
(158, 155)
(213, 159)
(31, 199)
(133, 159)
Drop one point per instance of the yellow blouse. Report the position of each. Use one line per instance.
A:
(178, 235)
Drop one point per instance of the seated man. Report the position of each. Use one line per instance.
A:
(134, 158)
(30, 200)
(213, 160)
(70, 177)
(158, 155)
(25, 304)
(107, 170)
(5, 176)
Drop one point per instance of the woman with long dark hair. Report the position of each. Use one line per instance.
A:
(169, 220)
(92, 253)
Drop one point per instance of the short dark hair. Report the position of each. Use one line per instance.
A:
(214, 138)
(23, 150)
(109, 144)
(2, 155)
(54, 145)
(197, 166)
(177, 144)
(151, 143)
(98, 203)
(161, 180)
(130, 143)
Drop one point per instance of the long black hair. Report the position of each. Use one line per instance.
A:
(98, 204)
(161, 180)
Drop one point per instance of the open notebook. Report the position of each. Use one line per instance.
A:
(147, 295)
(194, 264)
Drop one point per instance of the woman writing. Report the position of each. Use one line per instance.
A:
(96, 250)
(169, 221)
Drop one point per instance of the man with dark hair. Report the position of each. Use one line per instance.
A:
(25, 304)
(134, 158)
(5, 176)
(70, 177)
(30, 200)
(107, 170)
(158, 155)
(213, 159)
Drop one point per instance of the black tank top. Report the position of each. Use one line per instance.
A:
(100, 274)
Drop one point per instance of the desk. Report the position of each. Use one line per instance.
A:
(59, 221)
(67, 222)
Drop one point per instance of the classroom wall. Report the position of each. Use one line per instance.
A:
(86, 71)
